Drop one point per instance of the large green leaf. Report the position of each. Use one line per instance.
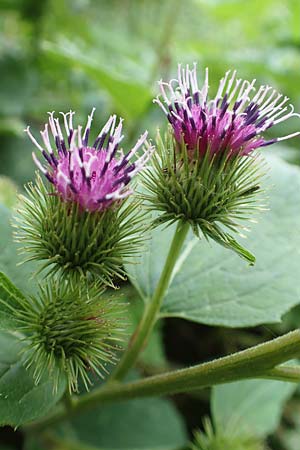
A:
(251, 406)
(152, 424)
(213, 286)
(21, 275)
(21, 400)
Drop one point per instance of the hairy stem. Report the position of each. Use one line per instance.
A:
(145, 327)
(256, 362)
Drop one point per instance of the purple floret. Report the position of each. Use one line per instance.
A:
(92, 176)
(233, 122)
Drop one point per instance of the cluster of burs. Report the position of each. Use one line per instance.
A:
(86, 215)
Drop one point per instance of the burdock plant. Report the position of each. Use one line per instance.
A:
(82, 222)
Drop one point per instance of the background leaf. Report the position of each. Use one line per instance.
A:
(253, 407)
(152, 424)
(21, 400)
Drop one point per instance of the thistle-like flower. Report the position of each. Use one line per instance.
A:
(91, 176)
(70, 331)
(207, 170)
(81, 223)
(231, 123)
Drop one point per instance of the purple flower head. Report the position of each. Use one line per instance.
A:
(232, 122)
(95, 175)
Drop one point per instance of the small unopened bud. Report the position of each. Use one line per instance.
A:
(230, 439)
(70, 331)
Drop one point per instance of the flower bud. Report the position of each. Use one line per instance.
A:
(230, 439)
(71, 331)
(81, 222)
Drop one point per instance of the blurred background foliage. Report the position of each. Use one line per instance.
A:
(76, 54)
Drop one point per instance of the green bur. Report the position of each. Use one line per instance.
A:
(212, 194)
(67, 330)
(75, 243)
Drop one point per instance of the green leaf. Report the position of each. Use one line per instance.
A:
(10, 299)
(152, 424)
(212, 286)
(253, 406)
(8, 192)
(20, 275)
(130, 97)
(21, 400)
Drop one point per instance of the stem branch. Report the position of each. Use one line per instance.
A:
(255, 362)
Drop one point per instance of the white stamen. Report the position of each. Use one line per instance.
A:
(163, 92)
(52, 124)
(230, 82)
(113, 124)
(289, 136)
(177, 116)
(257, 95)
(106, 127)
(66, 122)
(156, 100)
(194, 81)
(237, 83)
(267, 103)
(245, 97)
(45, 136)
(222, 85)
(286, 116)
(62, 177)
(34, 141)
(141, 162)
(73, 141)
(79, 136)
(244, 86)
(204, 90)
(38, 164)
(88, 165)
(60, 135)
(139, 143)
(71, 114)
(118, 131)
(116, 195)
(273, 107)
(89, 122)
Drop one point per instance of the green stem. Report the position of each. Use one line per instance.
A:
(68, 401)
(144, 329)
(255, 362)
